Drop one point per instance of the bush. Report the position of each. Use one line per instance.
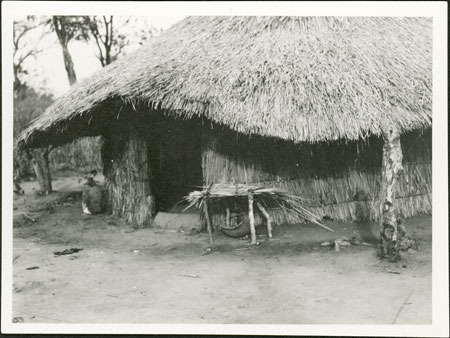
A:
(81, 155)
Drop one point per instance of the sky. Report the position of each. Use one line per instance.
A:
(47, 72)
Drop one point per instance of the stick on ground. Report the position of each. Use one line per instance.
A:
(401, 307)
(31, 219)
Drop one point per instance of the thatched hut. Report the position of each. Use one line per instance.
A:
(300, 103)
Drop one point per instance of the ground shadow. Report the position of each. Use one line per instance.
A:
(367, 231)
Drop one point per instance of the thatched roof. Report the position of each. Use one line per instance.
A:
(296, 78)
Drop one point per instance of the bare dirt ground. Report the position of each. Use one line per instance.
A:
(168, 276)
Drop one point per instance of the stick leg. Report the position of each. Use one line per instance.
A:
(208, 223)
(267, 216)
(251, 216)
(228, 217)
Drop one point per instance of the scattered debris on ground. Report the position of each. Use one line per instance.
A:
(109, 295)
(30, 218)
(191, 276)
(67, 251)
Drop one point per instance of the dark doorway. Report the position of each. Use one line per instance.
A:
(175, 155)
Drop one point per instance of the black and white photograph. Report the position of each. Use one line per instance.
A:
(275, 168)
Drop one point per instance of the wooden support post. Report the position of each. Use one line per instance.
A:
(208, 222)
(228, 217)
(268, 220)
(251, 216)
(391, 231)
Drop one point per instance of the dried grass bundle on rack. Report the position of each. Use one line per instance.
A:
(219, 197)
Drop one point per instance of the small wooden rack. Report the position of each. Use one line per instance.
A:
(216, 197)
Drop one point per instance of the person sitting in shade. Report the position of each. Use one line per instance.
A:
(91, 201)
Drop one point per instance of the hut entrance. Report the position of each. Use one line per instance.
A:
(174, 150)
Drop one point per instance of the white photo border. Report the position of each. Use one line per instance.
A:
(440, 277)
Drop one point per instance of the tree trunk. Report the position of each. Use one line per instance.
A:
(60, 25)
(391, 230)
(68, 64)
(127, 178)
(41, 165)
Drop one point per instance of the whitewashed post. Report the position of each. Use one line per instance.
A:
(391, 232)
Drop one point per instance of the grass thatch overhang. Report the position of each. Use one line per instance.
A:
(295, 78)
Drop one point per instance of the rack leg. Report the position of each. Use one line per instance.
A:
(208, 223)
(251, 216)
(267, 216)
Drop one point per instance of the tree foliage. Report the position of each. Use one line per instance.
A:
(28, 104)
(27, 43)
(69, 28)
(112, 36)
(109, 43)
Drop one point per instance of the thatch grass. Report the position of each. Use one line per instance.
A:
(296, 78)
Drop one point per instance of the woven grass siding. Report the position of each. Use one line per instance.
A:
(127, 173)
(340, 180)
